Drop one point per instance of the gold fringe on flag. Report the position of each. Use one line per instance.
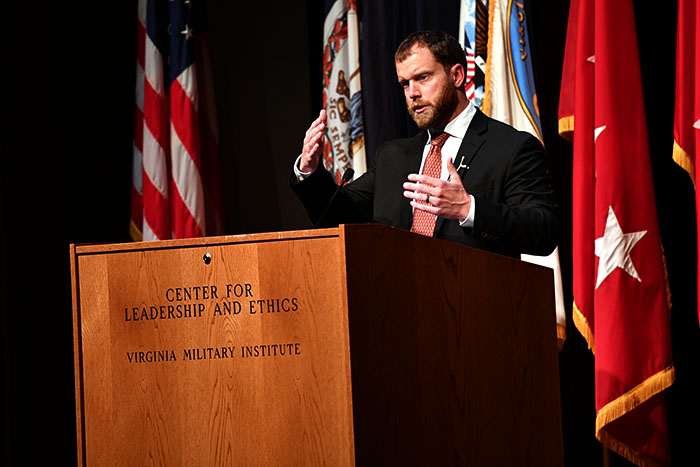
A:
(561, 336)
(566, 127)
(683, 159)
(625, 404)
(136, 234)
(486, 102)
(584, 328)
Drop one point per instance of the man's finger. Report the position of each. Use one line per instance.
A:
(424, 198)
(417, 196)
(308, 143)
(452, 170)
(425, 207)
(313, 135)
(420, 188)
(424, 179)
(316, 136)
(319, 122)
(316, 128)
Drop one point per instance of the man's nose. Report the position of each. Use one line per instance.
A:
(413, 90)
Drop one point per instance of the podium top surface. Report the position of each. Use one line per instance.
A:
(342, 231)
(86, 249)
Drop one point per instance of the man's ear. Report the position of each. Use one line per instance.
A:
(458, 75)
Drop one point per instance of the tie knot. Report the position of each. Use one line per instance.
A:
(440, 139)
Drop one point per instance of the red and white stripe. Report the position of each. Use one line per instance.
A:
(470, 88)
(168, 196)
(187, 196)
(156, 224)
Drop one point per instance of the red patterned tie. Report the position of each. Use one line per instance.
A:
(424, 222)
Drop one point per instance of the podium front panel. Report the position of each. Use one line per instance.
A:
(233, 351)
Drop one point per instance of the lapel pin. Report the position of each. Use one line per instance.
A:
(461, 164)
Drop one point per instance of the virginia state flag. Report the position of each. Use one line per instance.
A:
(686, 125)
(344, 142)
(620, 289)
(500, 81)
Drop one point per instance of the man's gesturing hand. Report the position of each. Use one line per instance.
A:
(446, 199)
(311, 152)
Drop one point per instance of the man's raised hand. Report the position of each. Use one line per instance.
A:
(311, 152)
(446, 199)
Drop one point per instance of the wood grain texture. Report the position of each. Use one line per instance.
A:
(454, 358)
(246, 410)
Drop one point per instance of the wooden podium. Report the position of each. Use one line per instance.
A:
(361, 345)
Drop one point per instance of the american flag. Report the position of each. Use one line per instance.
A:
(176, 191)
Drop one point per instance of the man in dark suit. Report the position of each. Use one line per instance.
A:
(491, 189)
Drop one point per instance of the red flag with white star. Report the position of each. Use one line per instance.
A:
(686, 125)
(620, 289)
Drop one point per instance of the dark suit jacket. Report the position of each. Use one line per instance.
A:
(505, 172)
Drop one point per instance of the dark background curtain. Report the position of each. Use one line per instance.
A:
(66, 174)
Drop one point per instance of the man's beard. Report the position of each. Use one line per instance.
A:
(438, 113)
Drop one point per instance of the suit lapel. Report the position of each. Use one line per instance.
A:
(412, 161)
(472, 142)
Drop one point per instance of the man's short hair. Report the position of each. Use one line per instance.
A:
(444, 47)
